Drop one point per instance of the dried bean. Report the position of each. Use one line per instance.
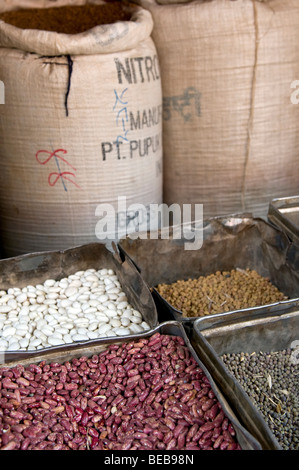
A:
(129, 397)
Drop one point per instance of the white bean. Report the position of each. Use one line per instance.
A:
(53, 295)
(61, 330)
(115, 322)
(39, 334)
(90, 310)
(67, 325)
(74, 310)
(102, 318)
(122, 331)
(12, 303)
(35, 342)
(122, 305)
(6, 298)
(137, 314)
(112, 289)
(24, 311)
(70, 291)
(83, 306)
(91, 278)
(135, 319)
(134, 328)
(54, 341)
(127, 313)
(8, 331)
(67, 338)
(13, 346)
(93, 326)
(125, 321)
(5, 308)
(112, 296)
(103, 327)
(49, 283)
(21, 332)
(75, 283)
(3, 344)
(47, 330)
(21, 298)
(10, 291)
(24, 343)
(78, 337)
(92, 335)
(110, 313)
(65, 303)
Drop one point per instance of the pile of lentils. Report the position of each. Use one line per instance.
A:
(220, 292)
(271, 381)
(86, 305)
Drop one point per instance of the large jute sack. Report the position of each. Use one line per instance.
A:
(230, 128)
(80, 128)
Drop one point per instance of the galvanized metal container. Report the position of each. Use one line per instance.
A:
(35, 268)
(284, 213)
(247, 331)
(246, 440)
(228, 242)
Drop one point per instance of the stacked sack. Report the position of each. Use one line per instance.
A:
(231, 129)
(80, 128)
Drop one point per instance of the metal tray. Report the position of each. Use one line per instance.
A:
(255, 331)
(246, 440)
(284, 213)
(228, 242)
(35, 268)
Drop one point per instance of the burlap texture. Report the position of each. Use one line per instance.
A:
(72, 133)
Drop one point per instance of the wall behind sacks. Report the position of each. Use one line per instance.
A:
(81, 126)
(230, 129)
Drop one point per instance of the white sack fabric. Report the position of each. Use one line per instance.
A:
(230, 129)
(80, 127)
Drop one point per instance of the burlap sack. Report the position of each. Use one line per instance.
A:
(230, 130)
(81, 127)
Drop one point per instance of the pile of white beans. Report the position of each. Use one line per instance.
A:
(86, 305)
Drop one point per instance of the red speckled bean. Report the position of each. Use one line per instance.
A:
(172, 444)
(217, 442)
(9, 446)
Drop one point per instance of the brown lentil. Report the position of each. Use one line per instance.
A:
(71, 19)
(220, 292)
(271, 381)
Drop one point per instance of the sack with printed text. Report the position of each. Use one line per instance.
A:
(230, 80)
(80, 129)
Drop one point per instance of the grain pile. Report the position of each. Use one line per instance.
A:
(220, 292)
(73, 19)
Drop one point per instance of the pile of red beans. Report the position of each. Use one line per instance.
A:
(147, 394)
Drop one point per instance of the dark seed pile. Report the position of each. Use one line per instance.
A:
(271, 381)
(71, 19)
(220, 292)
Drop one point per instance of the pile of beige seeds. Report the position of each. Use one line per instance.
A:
(220, 292)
